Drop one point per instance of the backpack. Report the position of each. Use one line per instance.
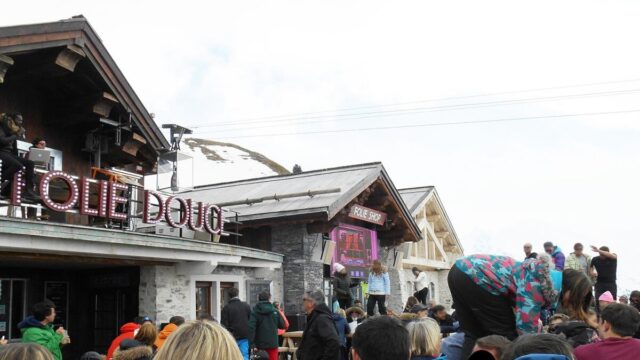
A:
(576, 332)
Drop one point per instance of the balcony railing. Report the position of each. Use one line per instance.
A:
(114, 199)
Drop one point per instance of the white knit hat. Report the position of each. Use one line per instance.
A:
(338, 267)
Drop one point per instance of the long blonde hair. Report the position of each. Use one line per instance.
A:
(24, 351)
(377, 268)
(425, 337)
(198, 340)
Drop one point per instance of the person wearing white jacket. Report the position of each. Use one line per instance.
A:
(421, 285)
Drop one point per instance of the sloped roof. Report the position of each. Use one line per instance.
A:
(77, 31)
(414, 197)
(340, 186)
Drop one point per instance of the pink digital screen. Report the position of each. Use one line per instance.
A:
(356, 248)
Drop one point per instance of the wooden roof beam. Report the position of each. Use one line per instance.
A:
(104, 104)
(5, 63)
(70, 57)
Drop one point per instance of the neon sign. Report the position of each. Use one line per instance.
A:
(196, 216)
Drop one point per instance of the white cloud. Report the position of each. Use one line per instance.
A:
(564, 180)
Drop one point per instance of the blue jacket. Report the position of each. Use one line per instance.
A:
(543, 357)
(379, 283)
(428, 357)
(343, 329)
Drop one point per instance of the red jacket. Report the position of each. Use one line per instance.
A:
(127, 331)
(286, 323)
(619, 349)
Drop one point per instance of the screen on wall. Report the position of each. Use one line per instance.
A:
(356, 248)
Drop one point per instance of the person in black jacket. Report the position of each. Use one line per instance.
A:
(320, 337)
(235, 318)
(342, 285)
(10, 131)
(264, 323)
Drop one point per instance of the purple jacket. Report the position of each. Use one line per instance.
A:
(558, 258)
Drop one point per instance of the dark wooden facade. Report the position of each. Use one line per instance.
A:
(63, 81)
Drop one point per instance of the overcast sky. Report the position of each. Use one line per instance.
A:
(560, 179)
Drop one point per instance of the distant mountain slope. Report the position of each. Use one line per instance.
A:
(217, 162)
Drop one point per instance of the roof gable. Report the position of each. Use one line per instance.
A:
(414, 197)
(78, 32)
(315, 195)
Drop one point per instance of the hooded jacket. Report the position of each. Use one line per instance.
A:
(127, 331)
(320, 338)
(527, 285)
(235, 318)
(164, 334)
(131, 349)
(264, 323)
(342, 327)
(558, 258)
(34, 332)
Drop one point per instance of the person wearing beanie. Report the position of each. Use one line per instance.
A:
(342, 286)
(605, 300)
(172, 326)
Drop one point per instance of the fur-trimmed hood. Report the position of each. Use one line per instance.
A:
(136, 353)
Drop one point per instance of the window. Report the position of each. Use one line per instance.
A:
(203, 297)
(12, 307)
(432, 291)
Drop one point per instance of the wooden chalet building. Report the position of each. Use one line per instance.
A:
(438, 249)
(101, 271)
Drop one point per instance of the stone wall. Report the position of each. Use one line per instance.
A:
(444, 294)
(402, 285)
(163, 293)
(273, 275)
(301, 272)
(396, 279)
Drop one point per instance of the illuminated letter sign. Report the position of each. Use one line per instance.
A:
(216, 214)
(85, 198)
(182, 209)
(201, 216)
(115, 199)
(197, 216)
(146, 213)
(71, 200)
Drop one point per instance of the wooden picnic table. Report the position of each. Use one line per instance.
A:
(291, 341)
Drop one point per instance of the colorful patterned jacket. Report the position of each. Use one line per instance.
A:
(527, 284)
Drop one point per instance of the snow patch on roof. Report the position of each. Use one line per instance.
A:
(217, 162)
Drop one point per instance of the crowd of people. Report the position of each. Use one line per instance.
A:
(548, 306)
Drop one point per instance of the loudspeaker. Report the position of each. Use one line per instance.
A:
(328, 247)
(297, 322)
